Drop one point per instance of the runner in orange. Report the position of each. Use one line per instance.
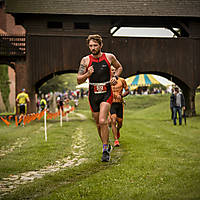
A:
(117, 107)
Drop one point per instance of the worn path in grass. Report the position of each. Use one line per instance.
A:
(13, 181)
(8, 149)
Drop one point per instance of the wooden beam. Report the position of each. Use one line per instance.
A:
(183, 25)
(117, 28)
(173, 31)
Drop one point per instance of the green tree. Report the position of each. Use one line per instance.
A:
(52, 85)
(59, 83)
(5, 85)
(70, 80)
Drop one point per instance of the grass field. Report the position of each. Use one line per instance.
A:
(155, 160)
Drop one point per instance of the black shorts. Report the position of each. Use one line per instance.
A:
(117, 108)
(96, 99)
(22, 109)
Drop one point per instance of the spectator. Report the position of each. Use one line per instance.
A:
(178, 105)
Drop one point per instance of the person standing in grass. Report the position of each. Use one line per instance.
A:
(22, 100)
(171, 103)
(178, 105)
(97, 68)
(59, 103)
(117, 107)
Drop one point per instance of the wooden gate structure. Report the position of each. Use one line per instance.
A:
(56, 33)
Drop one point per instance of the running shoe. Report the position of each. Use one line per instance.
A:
(109, 148)
(118, 134)
(105, 156)
(116, 143)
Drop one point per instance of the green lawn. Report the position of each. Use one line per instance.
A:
(155, 160)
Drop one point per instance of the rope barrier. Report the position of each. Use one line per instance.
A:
(33, 116)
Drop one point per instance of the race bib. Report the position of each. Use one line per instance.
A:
(98, 89)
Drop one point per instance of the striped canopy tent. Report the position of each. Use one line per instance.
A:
(141, 80)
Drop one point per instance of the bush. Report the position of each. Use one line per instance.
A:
(5, 85)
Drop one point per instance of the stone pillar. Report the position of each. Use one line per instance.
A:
(52, 103)
(32, 104)
(23, 80)
(189, 95)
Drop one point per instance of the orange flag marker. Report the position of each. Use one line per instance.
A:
(5, 121)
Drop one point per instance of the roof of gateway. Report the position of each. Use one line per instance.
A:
(186, 8)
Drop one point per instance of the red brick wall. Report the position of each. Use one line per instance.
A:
(7, 23)
(11, 28)
(7, 26)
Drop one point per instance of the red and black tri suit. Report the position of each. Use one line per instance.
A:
(99, 82)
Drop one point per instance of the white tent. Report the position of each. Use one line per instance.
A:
(163, 81)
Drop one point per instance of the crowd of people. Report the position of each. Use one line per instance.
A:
(144, 90)
(53, 102)
(56, 101)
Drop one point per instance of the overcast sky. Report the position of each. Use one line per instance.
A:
(143, 32)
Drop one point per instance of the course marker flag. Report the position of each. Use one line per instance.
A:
(45, 124)
(61, 117)
(5, 121)
(20, 119)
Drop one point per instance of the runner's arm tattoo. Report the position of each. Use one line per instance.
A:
(82, 69)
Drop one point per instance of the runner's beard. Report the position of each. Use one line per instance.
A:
(94, 52)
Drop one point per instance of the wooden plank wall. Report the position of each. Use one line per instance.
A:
(174, 57)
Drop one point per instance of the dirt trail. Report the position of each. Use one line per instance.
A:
(78, 145)
(8, 149)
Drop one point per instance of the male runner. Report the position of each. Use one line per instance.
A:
(97, 67)
(117, 107)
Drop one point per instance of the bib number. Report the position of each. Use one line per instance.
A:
(98, 89)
